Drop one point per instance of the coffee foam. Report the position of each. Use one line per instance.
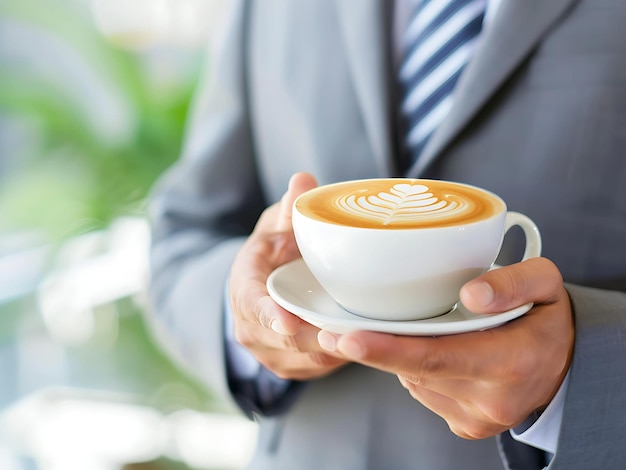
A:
(399, 204)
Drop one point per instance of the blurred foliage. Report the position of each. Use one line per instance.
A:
(160, 464)
(95, 126)
(74, 176)
(120, 358)
(129, 353)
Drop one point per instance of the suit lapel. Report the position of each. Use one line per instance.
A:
(518, 27)
(366, 40)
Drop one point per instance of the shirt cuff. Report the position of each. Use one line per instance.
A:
(543, 433)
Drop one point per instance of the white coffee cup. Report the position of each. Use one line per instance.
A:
(400, 249)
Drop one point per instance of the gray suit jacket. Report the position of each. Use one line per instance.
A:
(539, 117)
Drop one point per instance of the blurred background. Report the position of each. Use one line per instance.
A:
(93, 99)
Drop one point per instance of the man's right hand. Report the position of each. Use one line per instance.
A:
(279, 340)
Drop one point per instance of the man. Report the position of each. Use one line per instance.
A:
(538, 116)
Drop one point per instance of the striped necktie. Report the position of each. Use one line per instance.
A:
(438, 43)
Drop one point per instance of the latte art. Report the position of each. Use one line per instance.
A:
(394, 203)
(402, 202)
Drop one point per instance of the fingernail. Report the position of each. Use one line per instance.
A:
(482, 293)
(291, 181)
(278, 327)
(327, 340)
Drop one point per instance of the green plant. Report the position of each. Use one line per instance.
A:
(73, 177)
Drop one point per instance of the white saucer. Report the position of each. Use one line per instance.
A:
(293, 287)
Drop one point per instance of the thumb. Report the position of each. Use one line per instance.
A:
(535, 280)
(298, 184)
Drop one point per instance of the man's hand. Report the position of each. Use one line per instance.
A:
(484, 382)
(279, 340)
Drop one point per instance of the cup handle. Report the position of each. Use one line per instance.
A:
(531, 232)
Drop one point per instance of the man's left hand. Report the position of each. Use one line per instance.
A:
(485, 382)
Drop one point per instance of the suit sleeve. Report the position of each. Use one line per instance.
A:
(202, 210)
(594, 417)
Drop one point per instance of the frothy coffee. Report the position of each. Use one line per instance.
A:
(395, 203)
